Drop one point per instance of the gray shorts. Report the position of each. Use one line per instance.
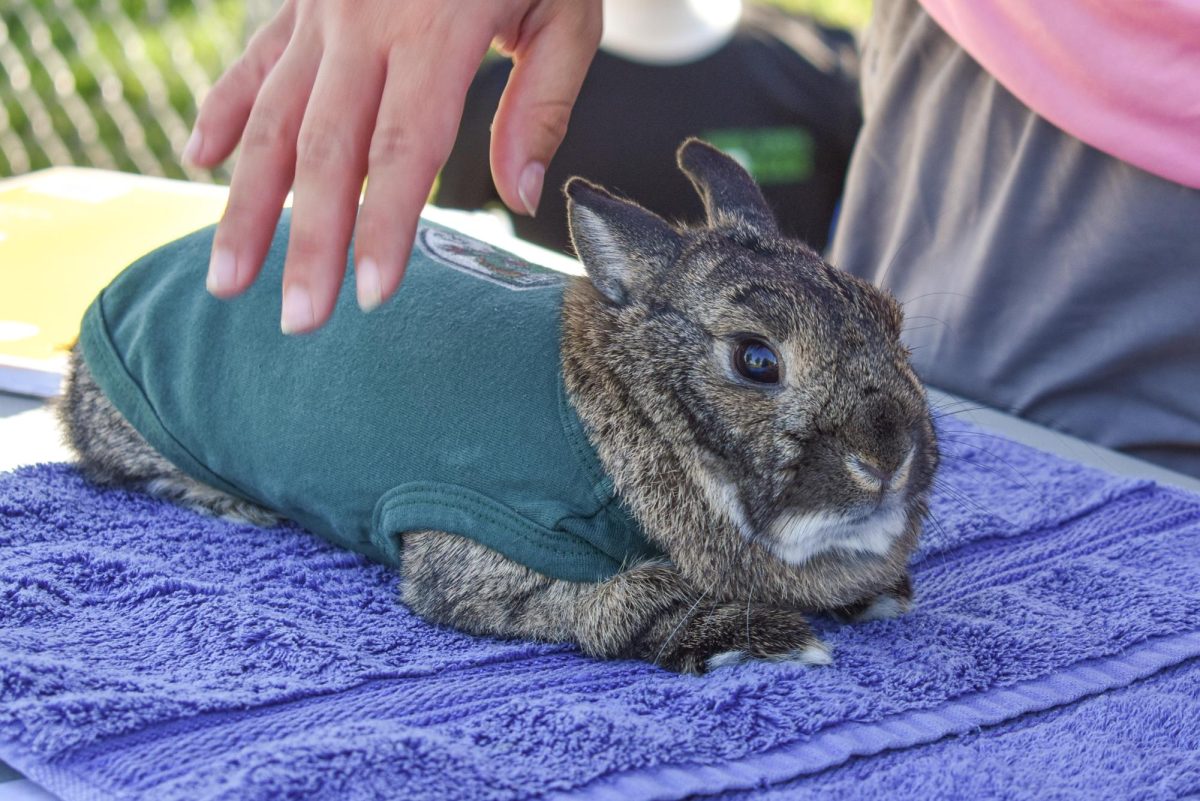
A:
(1038, 275)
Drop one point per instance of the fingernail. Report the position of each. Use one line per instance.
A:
(297, 310)
(530, 186)
(369, 283)
(192, 149)
(222, 272)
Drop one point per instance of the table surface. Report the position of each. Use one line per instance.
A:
(29, 434)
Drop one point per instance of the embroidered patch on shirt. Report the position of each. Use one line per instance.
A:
(483, 261)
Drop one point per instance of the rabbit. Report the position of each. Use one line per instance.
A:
(753, 406)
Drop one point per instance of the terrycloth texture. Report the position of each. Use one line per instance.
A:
(148, 652)
(1140, 741)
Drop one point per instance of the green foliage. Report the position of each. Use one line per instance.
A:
(845, 13)
(115, 83)
(111, 83)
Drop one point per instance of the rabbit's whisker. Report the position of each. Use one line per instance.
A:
(940, 414)
(948, 403)
(965, 500)
(934, 294)
(679, 626)
(1028, 484)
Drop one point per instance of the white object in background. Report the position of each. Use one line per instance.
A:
(29, 437)
(668, 31)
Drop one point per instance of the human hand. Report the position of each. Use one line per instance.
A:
(331, 91)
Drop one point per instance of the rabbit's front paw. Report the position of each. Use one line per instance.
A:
(732, 633)
(893, 602)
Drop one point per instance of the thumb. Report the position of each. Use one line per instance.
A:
(549, 65)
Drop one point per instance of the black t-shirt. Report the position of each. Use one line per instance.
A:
(781, 96)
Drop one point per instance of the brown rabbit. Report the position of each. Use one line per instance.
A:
(752, 408)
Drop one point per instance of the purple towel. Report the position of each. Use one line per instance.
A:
(1140, 741)
(149, 652)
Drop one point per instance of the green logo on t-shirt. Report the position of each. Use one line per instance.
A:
(481, 260)
(780, 155)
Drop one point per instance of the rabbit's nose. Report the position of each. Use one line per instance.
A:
(873, 470)
(874, 477)
(869, 475)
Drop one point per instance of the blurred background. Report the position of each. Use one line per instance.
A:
(112, 83)
(115, 83)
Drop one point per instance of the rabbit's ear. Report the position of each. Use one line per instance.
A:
(620, 243)
(730, 195)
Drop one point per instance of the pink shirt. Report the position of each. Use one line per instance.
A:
(1121, 75)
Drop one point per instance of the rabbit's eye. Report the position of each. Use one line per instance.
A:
(757, 361)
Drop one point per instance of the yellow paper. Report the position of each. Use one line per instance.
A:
(65, 233)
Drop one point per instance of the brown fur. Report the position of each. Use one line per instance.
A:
(642, 360)
(112, 452)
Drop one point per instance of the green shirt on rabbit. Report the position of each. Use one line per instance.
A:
(444, 409)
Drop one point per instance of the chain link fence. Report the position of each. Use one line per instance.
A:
(112, 83)
(116, 83)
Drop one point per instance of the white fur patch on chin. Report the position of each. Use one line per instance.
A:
(796, 538)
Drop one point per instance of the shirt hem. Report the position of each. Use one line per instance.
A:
(420, 506)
